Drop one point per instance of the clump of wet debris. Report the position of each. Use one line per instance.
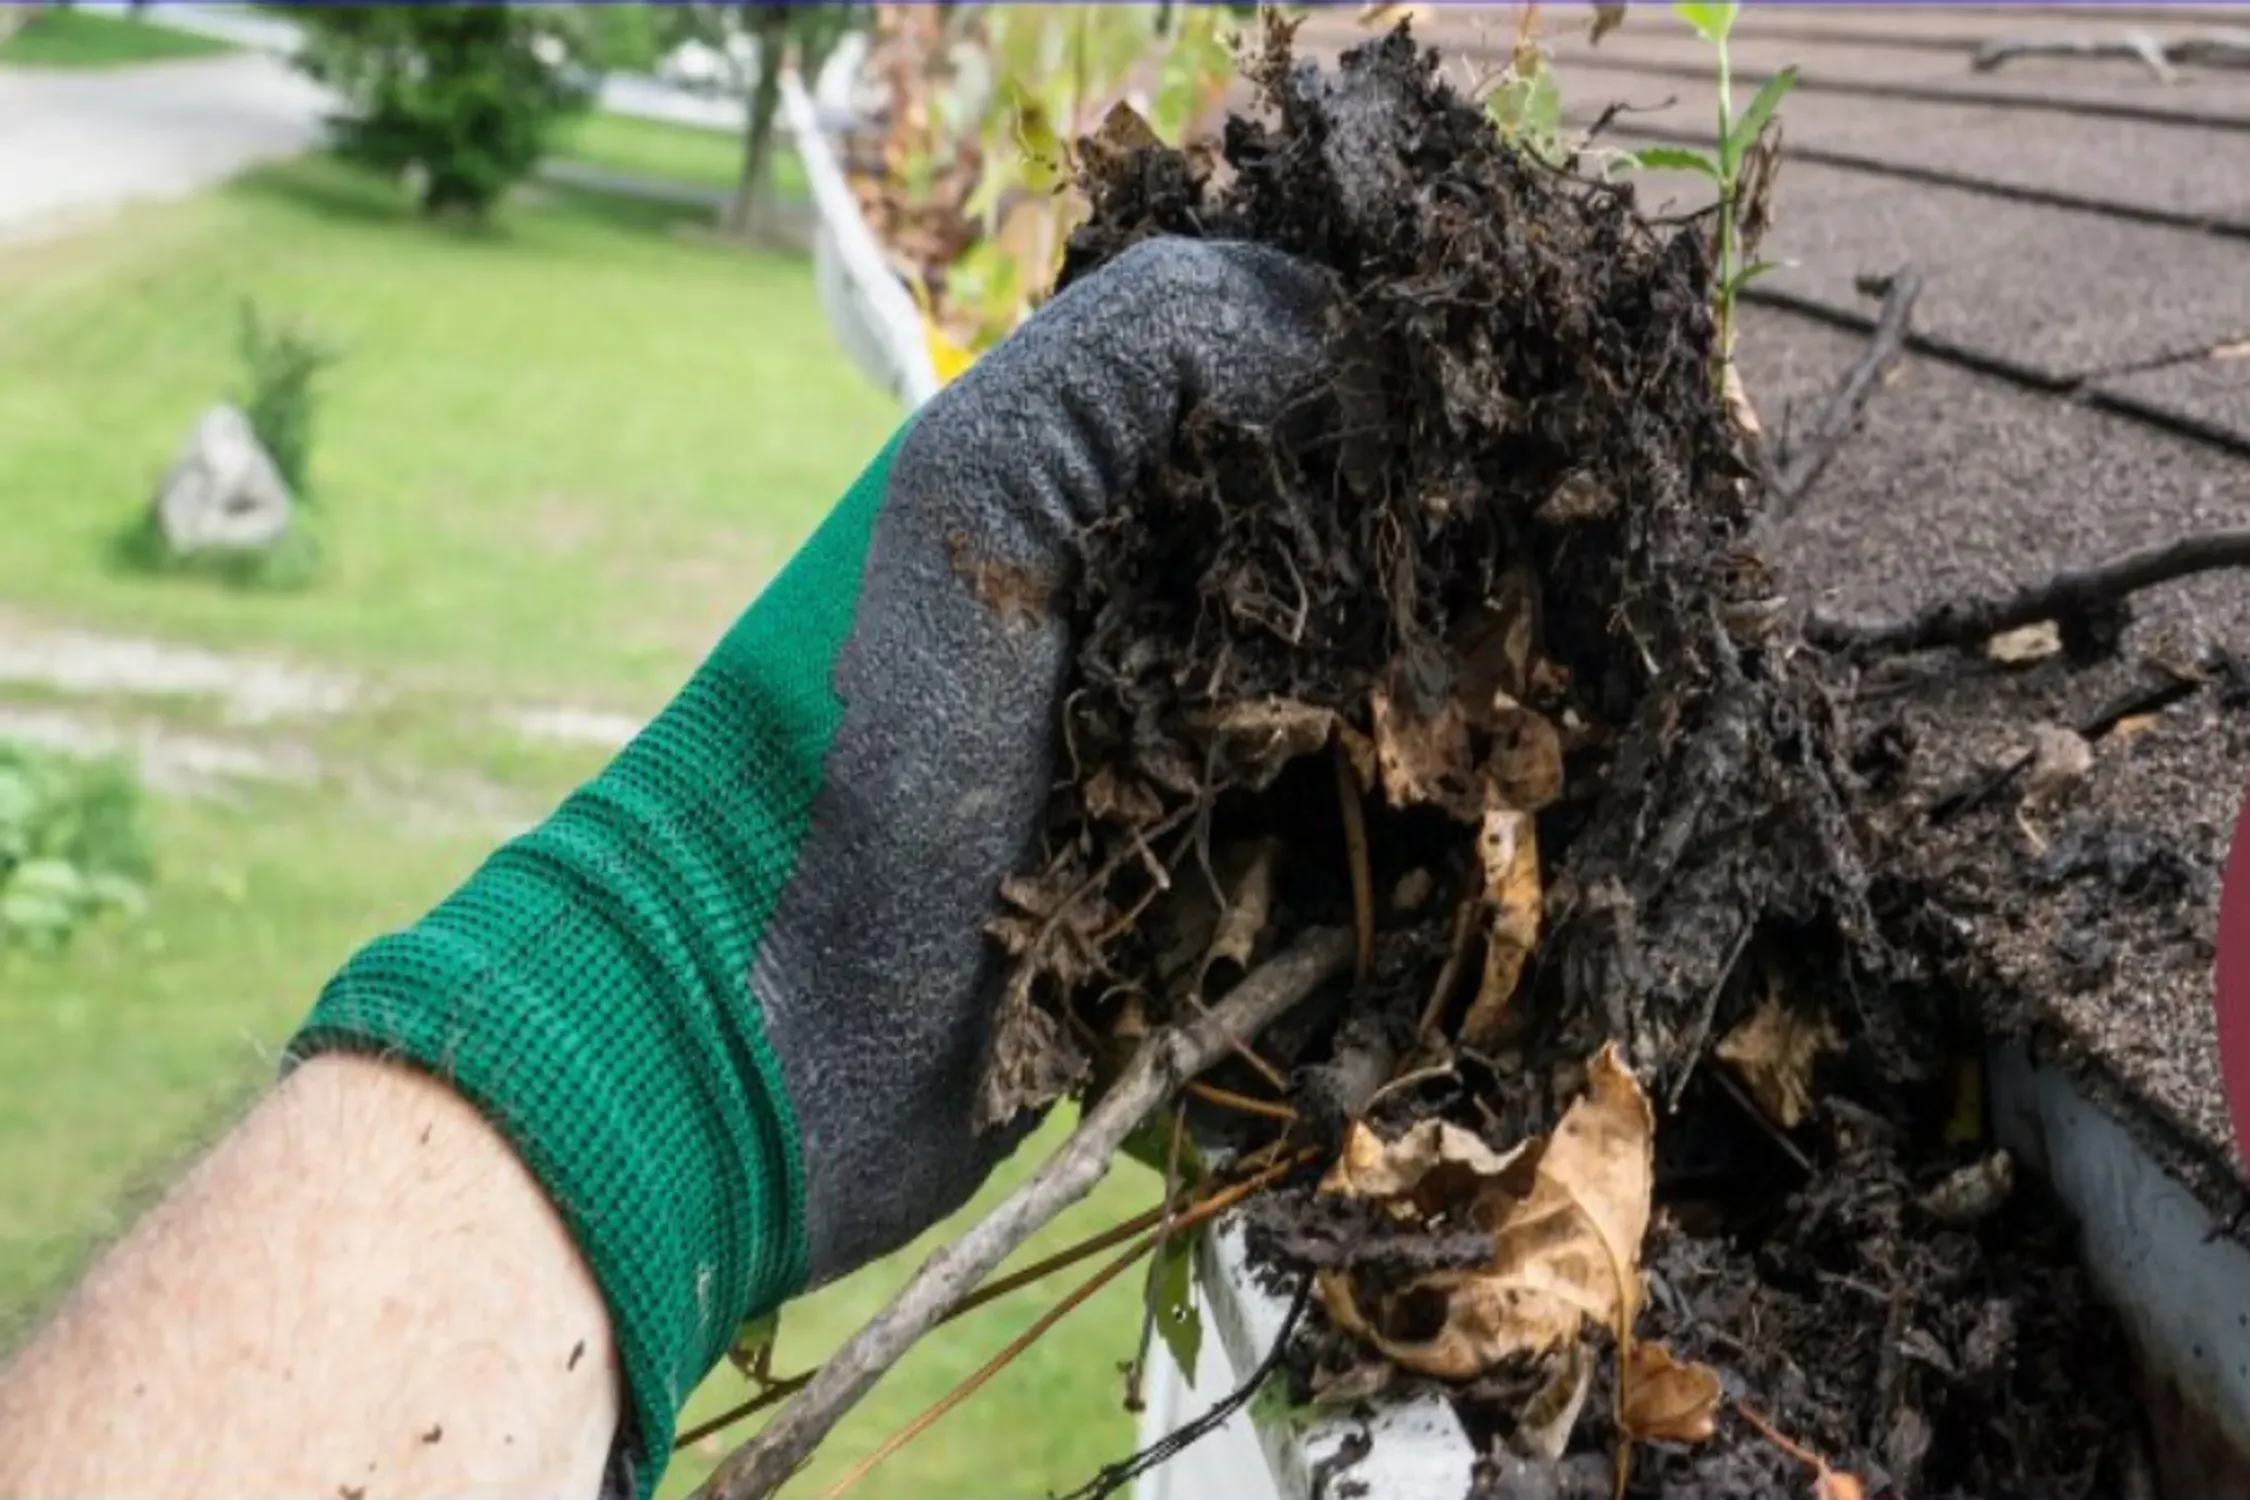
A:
(1636, 1119)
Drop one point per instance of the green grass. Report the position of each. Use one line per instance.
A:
(671, 152)
(558, 455)
(561, 455)
(74, 39)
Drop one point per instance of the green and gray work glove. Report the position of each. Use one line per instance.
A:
(731, 1000)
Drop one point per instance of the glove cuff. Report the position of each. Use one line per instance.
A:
(588, 989)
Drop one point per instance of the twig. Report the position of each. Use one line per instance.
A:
(2142, 700)
(774, 1394)
(1206, 1207)
(1137, 1371)
(1115, 1477)
(1464, 929)
(1355, 848)
(1405, 1081)
(1241, 1104)
(1808, 459)
(2069, 593)
(991, 1367)
(1158, 1068)
(1708, 1014)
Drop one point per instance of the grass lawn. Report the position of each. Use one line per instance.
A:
(559, 457)
(74, 39)
(673, 152)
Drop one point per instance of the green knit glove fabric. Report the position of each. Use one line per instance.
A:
(594, 970)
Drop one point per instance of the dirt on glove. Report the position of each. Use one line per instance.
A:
(1473, 653)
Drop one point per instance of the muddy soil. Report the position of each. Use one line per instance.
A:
(1474, 654)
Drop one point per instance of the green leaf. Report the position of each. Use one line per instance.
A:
(35, 914)
(1174, 1294)
(1711, 22)
(1675, 159)
(1754, 270)
(55, 879)
(1744, 132)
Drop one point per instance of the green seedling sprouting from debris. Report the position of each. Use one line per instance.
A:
(1742, 167)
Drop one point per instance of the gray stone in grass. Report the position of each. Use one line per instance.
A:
(222, 493)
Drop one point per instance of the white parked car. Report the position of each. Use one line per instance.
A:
(707, 69)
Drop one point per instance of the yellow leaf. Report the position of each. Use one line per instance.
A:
(1666, 1401)
(947, 357)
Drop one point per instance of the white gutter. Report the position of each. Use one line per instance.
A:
(868, 306)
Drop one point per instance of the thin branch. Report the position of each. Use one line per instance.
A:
(2072, 593)
(991, 1367)
(1355, 850)
(773, 1395)
(1807, 460)
(2141, 700)
(1137, 1371)
(1162, 1064)
(1241, 1104)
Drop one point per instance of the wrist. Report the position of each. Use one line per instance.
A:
(590, 987)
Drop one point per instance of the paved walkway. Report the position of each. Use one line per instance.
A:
(83, 142)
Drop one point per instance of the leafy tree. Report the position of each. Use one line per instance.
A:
(465, 96)
(779, 36)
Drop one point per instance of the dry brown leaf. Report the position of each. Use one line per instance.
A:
(2060, 759)
(1121, 797)
(1546, 1421)
(2034, 642)
(1508, 846)
(1835, 1484)
(1976, 1191)
(1667, 1401)
(1496, 643)
(1564, 1252)
(1256, 740)
(1401, 1172)
(1526, 768)
(1774, 1053)
(1579, 498)
(1607, 18)
(1246, 874)
(1123, 131)
(1424, 759)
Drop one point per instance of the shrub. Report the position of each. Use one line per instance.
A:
(462, 97)
(280, 364)
(71, 845)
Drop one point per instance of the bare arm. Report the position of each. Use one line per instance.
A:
(360, 1293)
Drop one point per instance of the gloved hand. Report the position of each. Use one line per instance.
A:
(731, 1000)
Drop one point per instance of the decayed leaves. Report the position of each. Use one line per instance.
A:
(1667, 1401)
(1566, 1216)
(1508, 847)
(1048, 929)
(1423, 756)
(1774, 1053)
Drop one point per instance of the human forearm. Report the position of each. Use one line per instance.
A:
(224, 1346)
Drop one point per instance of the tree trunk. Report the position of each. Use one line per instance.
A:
(747, 215)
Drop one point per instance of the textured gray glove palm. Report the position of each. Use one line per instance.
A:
(875, 979)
